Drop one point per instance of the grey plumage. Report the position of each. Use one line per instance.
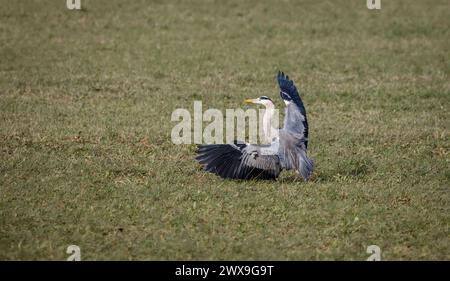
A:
(250, 161)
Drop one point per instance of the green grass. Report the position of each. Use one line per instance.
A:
(86, 156)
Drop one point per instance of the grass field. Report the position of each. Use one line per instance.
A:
(86, 156)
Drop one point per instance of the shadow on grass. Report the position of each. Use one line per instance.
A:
(356, 169)
(349, 169)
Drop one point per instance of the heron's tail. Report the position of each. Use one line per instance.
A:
(306, 165)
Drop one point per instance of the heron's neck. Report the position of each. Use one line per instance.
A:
(269, 131)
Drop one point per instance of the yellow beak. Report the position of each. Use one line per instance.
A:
(249, 101)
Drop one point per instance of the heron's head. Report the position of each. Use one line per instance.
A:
(267, 102)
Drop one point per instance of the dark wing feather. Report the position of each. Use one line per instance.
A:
(287, 86)
(238, 161)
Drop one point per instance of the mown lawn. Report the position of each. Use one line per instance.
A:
(86, 157)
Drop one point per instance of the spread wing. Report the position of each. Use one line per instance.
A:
(240, 160)
(295, 119)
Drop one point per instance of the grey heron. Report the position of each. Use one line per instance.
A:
(287, 149)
